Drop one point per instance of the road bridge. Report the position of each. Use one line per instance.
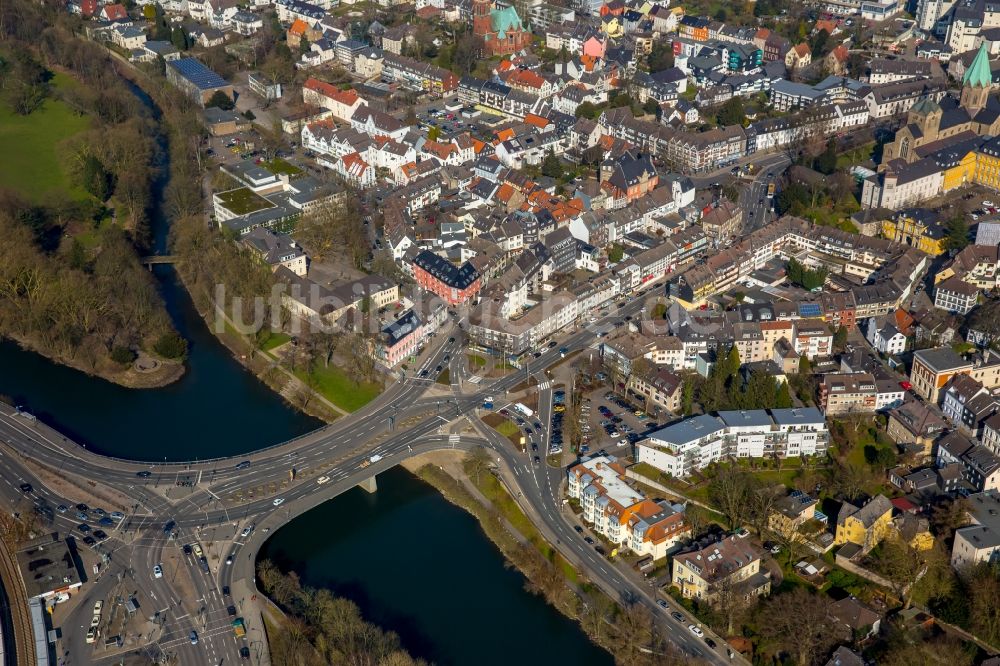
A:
(257, 491)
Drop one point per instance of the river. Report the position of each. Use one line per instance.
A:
(413, 562)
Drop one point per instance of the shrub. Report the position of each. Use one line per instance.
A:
(122, 355)
(171, 345)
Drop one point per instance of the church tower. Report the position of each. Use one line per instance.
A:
(482, 24)
(977, 82)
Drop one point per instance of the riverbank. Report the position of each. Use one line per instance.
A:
(76, 291)
(470, 485)
(166, 373)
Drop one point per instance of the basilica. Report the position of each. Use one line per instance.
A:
(930, 123)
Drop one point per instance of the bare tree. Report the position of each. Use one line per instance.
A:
(730, 491)
(899, 564)
(477, 463)
(796, 622)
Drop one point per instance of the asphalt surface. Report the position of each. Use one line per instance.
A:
(402, 422)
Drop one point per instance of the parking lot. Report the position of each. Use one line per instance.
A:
(452, 119)
(609, 422)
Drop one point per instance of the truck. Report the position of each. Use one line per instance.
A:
(524, 409)
(770, 190)
(239, 629)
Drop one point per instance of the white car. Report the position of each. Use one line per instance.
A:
(988, 203)
(157, 571)
(278, 501)
(98, 606)
(95, 621)
(696, 630)
(323, 479)
(246, 531)
(91, 635)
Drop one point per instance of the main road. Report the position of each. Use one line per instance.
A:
(235, 502)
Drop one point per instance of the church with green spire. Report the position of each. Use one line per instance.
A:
(975, 112)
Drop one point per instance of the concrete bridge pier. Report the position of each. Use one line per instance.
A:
(369, 484)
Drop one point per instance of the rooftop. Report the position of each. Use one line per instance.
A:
(603, 470)
(47, 566)
(197, 73)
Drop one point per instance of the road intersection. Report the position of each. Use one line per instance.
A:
(226, 496)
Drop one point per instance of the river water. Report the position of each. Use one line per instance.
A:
(415, 563)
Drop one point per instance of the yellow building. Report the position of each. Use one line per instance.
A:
(612, 27)
(987, 172)
(790, 513)
(960, 172)
(916, 227)
(732, 564)
(914, 531)
(866, 525)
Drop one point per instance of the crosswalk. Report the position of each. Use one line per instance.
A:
(454, 438)
(475, 379)
(544, 386)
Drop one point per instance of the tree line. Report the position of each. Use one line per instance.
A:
(724, 388)
(323, 629)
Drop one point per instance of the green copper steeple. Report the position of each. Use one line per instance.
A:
(979, 73)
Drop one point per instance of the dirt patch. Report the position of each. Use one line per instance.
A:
(448, 459)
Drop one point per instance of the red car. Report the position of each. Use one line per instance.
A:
(906, 386)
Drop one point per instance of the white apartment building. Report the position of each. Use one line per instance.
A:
(694, 443)
(980, 541)
(623, 514)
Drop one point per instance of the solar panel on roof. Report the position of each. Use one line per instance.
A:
(195, 72)
(809, 310)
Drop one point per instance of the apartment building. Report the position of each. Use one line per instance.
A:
(728, 566)
(848, 394)
(418, 75)
(955, 295)
(454, 284)
(812, 340)
(696, 442)
(621, 513)
(980, 541)
(932, 368)
(980, 466)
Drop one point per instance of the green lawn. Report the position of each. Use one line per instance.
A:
(275, 341)
(858, 155)
(334, 385)
(445, 377)
(476, 361)
(279, 166)
(31, 163)
(243, 200)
